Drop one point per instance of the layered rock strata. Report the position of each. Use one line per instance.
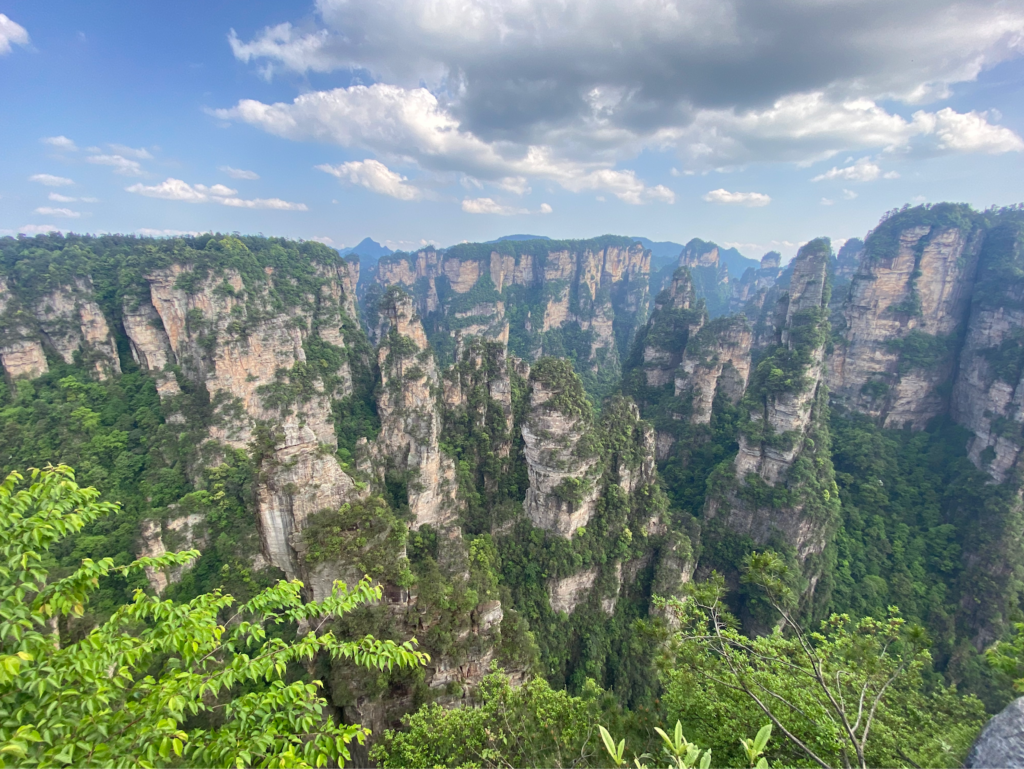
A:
(66, 320)
(410, 416)
(906, 306)
(561, 451)
(785, 405)
(599, 286)
(221, 332)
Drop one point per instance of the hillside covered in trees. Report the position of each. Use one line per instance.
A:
(561, 478)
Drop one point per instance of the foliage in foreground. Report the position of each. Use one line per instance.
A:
(853, 694)
(160, 683)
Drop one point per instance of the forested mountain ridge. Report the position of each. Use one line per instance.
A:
(224, 389)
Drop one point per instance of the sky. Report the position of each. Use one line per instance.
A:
(758, 124)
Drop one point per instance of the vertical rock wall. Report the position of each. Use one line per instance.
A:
(410, 416)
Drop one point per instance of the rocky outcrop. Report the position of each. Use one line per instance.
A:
(66, 320)
(906, 306)
(749, 293)
(410, 416)
(232, 337)
(562, 457)
(569, 592)
(988, 395)
(716, 359)
(523, 292)
(1001, 743)
(782, 475)
(184, 533)
(661, 344)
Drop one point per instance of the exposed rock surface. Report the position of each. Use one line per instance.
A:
(905, 307)
(65, 320)
(716, 359)
(561, 457)
(187, 533)
(569, 592)
(782, 420)
(410, 416)
(599, 285)
(1001, 743)
(247, 368)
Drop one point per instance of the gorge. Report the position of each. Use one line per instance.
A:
(525, 442)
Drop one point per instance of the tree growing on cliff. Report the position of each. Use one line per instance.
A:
(852, 694)
(160, 683)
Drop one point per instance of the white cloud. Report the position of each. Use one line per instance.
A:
(152, 233)
(545, 208)
(749, 199)
(864, 170)
(56, 197)
(969, 132)
(412, 125)
(11, 32)
(171, 189)
(272, 203)
(489, 206)
(176, 189)
(217, 190)
(517, 185)
(67, 212)
(239, 173)
(323, 239)
(375, 176)
(50, 180)
(120, 164)
(827, 202)
(60, 142)
(38, 229)
(140, 154)
(849, 194)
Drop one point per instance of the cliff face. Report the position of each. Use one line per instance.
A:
(227, 335)
(410, 416)
(66, 320)
(582, 299)
(561, 451)
(782, 476)
(906, 306)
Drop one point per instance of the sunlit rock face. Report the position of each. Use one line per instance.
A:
(410, 416)
(534, 296)
(65, 320)
(782, 482)
(231, 338)
(908, 301)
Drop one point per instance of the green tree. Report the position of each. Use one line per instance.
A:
(852, 694)
(522, 726)
(202, 683)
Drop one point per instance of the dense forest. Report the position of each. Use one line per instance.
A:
(591, 504)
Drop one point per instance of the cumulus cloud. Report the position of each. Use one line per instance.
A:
(723, 81)
(864, 170)
(11, 32)
(38, 229)
(50, 180)
(489, 206)
(323, 239)
(62, 143)
(239, 173)
(749, 199)
(411, 124)
(375, 176)
(176, 189)
(119, 163)
(66, 212)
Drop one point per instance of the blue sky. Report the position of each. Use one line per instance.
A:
(752, 123)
